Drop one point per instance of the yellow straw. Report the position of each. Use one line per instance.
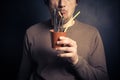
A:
(76, 15)
(60, 14)
(72, 19)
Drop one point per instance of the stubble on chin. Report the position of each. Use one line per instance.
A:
(66, 20)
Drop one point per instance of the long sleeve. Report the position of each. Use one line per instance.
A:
(39, 60)
(26, 63)
(95, 67)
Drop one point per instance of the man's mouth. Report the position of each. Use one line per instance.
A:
(63, 12)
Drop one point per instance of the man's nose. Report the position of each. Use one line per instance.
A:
(62, 3)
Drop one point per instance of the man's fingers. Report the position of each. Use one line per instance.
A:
(67, 49)
(66, 41)
(65, 55)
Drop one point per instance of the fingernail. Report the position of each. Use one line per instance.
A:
(57, 42)
(61, 37)
(55, 48)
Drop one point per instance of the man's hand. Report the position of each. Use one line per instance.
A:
(69, 50)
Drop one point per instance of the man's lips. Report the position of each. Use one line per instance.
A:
(63, 11)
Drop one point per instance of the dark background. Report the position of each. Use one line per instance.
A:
(18, 15)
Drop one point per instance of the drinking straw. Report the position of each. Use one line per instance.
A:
(55, 20)
(60, 25)
(71, 20)
(60, 14)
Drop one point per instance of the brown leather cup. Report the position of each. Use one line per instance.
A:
(55, 37)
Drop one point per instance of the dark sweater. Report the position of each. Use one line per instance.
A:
(40, 62)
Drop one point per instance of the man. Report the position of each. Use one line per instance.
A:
(82, 59)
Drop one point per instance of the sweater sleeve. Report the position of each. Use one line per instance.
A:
(95, 67)
(26, 62)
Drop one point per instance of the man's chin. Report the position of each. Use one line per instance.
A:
(66, 20)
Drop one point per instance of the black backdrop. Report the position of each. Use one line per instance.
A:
(18, 15)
